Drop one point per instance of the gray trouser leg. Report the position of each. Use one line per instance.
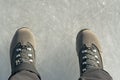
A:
(97, 74)
(24, 75)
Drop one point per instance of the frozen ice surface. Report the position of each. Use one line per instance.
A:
(55, 24)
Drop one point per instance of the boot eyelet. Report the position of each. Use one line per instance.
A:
(84, 57)
(29, 49)
(94, 50)
(31, 60)
(84, 63)
(18, 49)
(18, 55)
(98, 62)
(30, 55)
(96, 56)
(84, 69)
(84, 51)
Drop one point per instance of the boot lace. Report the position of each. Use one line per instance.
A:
(24, 54)
(89, 56)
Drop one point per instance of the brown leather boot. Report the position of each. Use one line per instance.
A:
(89, 50)
(22, 51)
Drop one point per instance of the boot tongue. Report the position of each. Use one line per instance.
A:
(24, 43)
(89, 45)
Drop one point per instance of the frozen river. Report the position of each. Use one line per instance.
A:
(55, 24)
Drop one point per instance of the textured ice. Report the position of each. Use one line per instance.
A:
(55, 24)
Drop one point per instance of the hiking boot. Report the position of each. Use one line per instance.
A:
(88, 50)
(22, 51)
